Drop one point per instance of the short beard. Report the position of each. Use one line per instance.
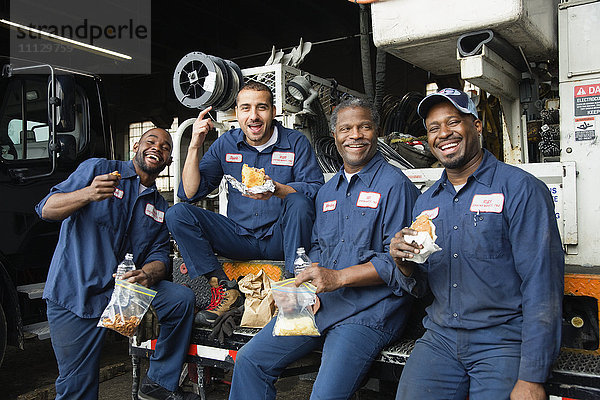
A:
(141, 163)
(454, 163)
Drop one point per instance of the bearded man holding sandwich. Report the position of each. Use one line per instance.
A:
(493, 329)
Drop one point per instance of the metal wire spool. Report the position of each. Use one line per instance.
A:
(202, 80)
(220, 83)
(226, 73)
(237, 81)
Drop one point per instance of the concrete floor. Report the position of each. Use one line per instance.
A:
(30, 375)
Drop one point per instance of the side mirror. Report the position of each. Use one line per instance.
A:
(65, 101)
(66, 148)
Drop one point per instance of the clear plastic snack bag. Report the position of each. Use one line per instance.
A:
(295, 316)
(128, 304)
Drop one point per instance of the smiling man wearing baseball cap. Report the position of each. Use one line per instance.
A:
(493, 329)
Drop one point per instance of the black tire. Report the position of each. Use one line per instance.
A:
(2, 334)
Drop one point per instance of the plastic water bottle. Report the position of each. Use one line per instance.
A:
(301, 262)
(125, 266)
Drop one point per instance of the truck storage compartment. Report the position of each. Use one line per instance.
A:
(425, 32)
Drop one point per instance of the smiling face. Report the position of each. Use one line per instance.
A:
(153, 151)
(355, 137)
(255, 112)
(454, 138)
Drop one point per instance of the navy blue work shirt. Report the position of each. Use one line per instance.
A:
(354, 224)
(501, 261)
(95, 238)
(290, 161)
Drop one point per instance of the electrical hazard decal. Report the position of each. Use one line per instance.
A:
(585, 128)
(587, 100)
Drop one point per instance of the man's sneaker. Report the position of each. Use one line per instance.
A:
(224, 297)
(153, 391)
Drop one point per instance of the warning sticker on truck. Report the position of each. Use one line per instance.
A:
(587, 100)
(585, 128)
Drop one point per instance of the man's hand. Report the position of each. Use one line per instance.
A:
(102, 187)
(61, 205)
(524, 390)
(325, 279)
(402, 251)
(200, 129)
(149, 275)
(259, 196)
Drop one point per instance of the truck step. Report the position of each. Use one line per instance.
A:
(41, 330)
(33, 291)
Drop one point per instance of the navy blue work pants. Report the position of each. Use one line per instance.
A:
(77, 343)
(348, 352)
(449, 364)
(200, 234)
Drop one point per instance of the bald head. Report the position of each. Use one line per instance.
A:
(158, 132)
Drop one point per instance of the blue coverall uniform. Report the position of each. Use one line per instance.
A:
(497, 286)
(354, 224)
(253, 229)
(93, 240)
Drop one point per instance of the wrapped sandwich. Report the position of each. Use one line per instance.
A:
(425, 236)
(252, 177)
(424, 224)
(254, 181)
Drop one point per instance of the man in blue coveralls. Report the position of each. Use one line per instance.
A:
(268, 226)
(104, 217)
(493, 329)
(358, 212)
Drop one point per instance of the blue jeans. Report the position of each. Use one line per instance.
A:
(77, 343)
(348, 352)
(449, 364)
(201, 233)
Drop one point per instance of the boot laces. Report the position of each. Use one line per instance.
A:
(216, 297)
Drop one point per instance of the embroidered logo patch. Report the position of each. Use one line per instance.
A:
(431, 213)
(493, 203)
(368, 199)
(231, 157)
(152, 212)
(118, 193)
(329, 205)
(282, 158)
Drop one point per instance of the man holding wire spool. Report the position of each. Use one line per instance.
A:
(269, 225)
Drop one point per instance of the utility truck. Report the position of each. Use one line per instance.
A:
(51, 119)
(541, 60)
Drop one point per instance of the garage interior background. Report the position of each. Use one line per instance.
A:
(243, 32)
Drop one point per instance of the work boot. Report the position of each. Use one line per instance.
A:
(153, 391)
(224, 296)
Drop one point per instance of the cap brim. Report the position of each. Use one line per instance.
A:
(435, 98)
